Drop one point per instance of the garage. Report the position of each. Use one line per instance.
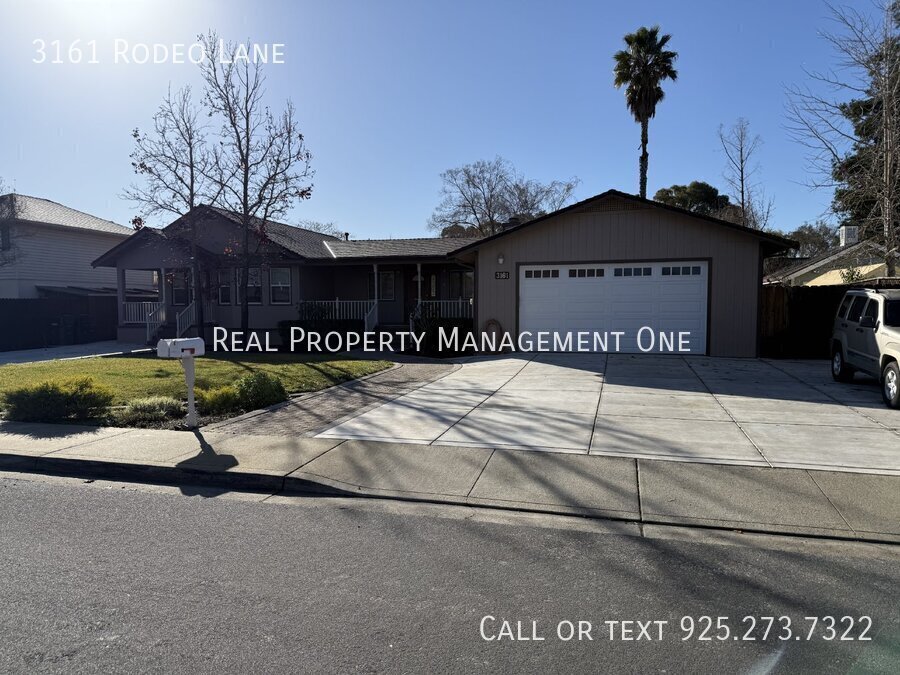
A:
(656, 300)
(617, 262)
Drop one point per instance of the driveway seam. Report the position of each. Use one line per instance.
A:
(480, 473)
(833, 505)
(637, 479)
(833, 398)
(599, 400)
(727, 412)
(511, 378)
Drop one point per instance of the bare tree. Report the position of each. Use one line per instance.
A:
(849, 122)
(261, 166)
(330, 228)
(10, 210)
(740, 147)
(174, 162)
(478, 199)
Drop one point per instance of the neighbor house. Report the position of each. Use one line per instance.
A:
(613, 262)
(852, 262)
(47, 249)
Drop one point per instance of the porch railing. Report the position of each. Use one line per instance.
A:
(187, 317)
(371, 317)
(138, 312)
(446, 309)
(336, 309)
(155, 319)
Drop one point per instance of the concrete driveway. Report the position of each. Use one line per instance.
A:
(732, 411)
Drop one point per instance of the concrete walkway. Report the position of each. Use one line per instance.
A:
(760, 499)
(748, 412)
(66, 352)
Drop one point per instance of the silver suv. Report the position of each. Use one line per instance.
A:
(866, 337)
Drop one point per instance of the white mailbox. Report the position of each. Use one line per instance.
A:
(185, 349)
(179, 348)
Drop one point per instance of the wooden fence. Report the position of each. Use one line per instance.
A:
(28, 323)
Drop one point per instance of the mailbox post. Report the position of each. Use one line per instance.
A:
(185, 349)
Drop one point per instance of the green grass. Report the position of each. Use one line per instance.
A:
(132, 377)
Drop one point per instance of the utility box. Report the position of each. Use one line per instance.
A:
(179, 348)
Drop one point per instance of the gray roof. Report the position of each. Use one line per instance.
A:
(433, 247)
(37, 210)
(298, 240)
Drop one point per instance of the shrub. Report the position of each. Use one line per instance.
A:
(260, 390)
(152, 409)
(78, 399)
(218, 401)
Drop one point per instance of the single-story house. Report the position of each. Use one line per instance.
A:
(613, 262)
(860, 262)
(47, 249)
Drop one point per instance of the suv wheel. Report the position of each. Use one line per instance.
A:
(840, 371)
(890, 384)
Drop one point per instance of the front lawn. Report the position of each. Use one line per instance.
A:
(133, 377)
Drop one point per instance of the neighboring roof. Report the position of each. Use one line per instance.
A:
(780, 242)
(830, 256)
(836, 277)
(90, 291)
(43, 211)
(433, 247)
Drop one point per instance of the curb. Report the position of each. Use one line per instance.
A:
(288, 485)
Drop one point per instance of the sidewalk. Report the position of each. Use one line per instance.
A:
(758, 499)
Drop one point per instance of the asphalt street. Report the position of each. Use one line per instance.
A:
(105, 577)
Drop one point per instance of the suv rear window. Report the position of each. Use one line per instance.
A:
(892, 313)
(856, 308)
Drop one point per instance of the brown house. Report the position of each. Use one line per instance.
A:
(611, 263)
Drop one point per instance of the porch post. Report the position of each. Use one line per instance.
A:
(120, 293)
(375, 267)
(419, 277)
(162, 285)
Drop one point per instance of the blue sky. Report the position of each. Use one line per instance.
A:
(391, 93)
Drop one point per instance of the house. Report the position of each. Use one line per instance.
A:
(850, 263)
(295, 271)
(47, 249)
(613, 262)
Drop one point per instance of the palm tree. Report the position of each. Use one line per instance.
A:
(641, 69)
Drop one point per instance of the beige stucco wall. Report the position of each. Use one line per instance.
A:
(622, 232)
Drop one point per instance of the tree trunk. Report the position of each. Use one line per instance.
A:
(196, 272)
(245, 281)
(645, 157)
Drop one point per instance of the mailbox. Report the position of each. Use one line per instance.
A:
(185, 349)
(180, 348)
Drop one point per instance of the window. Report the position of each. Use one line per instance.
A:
(180, 287)
(386, 286)
(280, 286)
(462, 284)
(542, 274)
(432, 287)
(856, 308)
(845, 305)
(871, 309)
(223, 284)
(892, 313)
(677, 271)
(632, 271)
(5, 238)
(254, 286)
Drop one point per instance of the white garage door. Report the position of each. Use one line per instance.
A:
(667, 298)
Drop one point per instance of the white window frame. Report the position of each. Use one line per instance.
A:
(273, 286)
(253, 270)
(229, 277)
